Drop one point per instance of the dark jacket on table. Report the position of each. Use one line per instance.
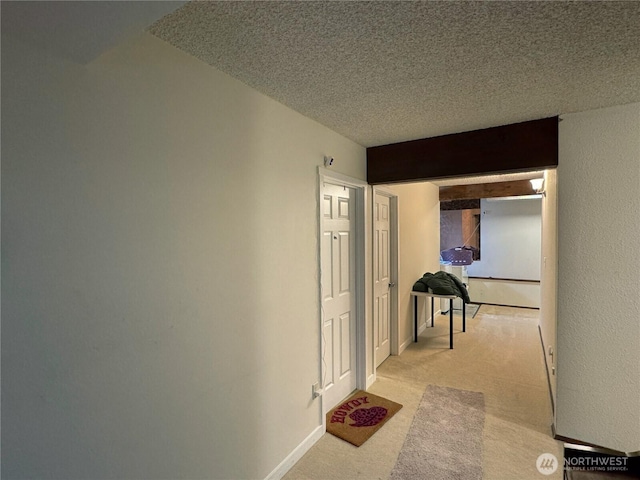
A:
(442, 283)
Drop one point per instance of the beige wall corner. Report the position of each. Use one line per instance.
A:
(419, 249)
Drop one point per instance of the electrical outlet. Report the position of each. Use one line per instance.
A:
(315, 390)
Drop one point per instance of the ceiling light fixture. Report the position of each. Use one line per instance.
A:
(538, 185)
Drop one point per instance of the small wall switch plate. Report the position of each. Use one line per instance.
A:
(315, 390)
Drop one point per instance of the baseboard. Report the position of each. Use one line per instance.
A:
(296, 454)
(421, 328)
(370, 381)
(424, 326)
(546, 366)
(503, 305)
(405, 344)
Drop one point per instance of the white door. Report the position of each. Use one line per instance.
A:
(338, 293)
(381, 279)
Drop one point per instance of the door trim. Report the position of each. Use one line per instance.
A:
(394, 247)
(361, 193)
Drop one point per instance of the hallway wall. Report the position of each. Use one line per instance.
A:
(549, 275)
(159, 267)
(419, 252)
(598, 385)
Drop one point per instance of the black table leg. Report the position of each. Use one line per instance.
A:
(464, 317)
(415, 319)
(450, 323)
(432, 314)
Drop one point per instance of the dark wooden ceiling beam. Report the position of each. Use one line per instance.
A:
(487, 190)
(519, 147)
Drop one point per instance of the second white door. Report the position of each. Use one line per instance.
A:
(381, 278)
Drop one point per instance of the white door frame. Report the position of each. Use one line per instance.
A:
(361, 191)
(394, 247)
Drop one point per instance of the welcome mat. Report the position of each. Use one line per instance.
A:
(360, 416)
(445, 439)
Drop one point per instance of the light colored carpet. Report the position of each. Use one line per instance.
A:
(471, 310)
(445, 438)
(500, 355)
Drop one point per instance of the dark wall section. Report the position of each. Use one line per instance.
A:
(511, 148)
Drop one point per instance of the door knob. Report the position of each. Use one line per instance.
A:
(392, 284)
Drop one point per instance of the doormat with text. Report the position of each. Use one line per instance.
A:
(360, 416)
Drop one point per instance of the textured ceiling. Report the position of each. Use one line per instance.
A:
(383, 72)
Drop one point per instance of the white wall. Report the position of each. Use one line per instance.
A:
(159, 268)
(505, 292)
(509, 240)
(598, 384)
(419, 249)
(510, 243)
(549, 274)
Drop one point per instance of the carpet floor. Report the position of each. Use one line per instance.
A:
(499, 356)
(471, 310)
(445, 438)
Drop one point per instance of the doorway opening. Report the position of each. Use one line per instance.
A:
(517, 264)
(491, 235)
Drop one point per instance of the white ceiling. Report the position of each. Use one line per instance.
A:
(383, 72)
(378, 72)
